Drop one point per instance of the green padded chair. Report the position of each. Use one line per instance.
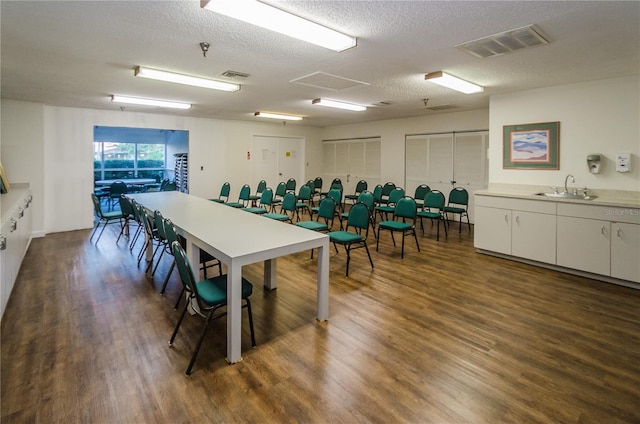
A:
(420, 193)
(336, 195)
(317, 186)
(104, 218)
(253, 198)
(170, 186)
(385, 209)
(358, 222)
(404, 221)
(304, 200)
(210, 295)
(326, 212)
(128, 214)
(365, 197)
(360, 187)
(266, 199)
(243, 197)
(387, 188)
(116, 189)
(281, 190)
(457, 205)
(433, 209)
(291, 185)
(223, 197)
(287, 209)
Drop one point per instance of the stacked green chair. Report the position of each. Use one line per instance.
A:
(210, 295)
(354, 236)
(266, 198)
(223, 197)
(243, 197)
(287, 209)
(404, 221)
(104, 218)
(433, 209)
(457, 205)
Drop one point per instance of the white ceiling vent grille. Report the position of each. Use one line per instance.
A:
(234, 74)
(383, 103)
(328, 81)
(505, 42)
(441, 107)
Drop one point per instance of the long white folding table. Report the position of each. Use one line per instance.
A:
(239, 238)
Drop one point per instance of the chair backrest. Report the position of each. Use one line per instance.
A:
(245, 192)
(317, 182)
(366, 197)
(388, 188)
(377, 193)
(459, 196)
(185, 271)
(327, 210)
(336, 181)
(126, 207)
(281, 189)
(159, 224)
(304, 193)
(169, 231)
(262, 184)
(361, 186)
(336, 195)
(170, 186)
(337, 186)
(312, 186)
(291, 184)
(395, 195)
(266, 197)
(164, 183)
(421, 191)
(434, 199)
(225, 190)
(405, 208)
(359, 215)
(96, 205)
(117, 188)
(288, 203)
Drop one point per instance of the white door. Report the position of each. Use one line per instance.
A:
(276, 159)
(352, 161)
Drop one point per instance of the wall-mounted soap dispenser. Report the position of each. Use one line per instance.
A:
(593, 162)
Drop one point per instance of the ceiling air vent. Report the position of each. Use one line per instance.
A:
(234, 74)
(441, 107)
(383, 103)
(505, 42)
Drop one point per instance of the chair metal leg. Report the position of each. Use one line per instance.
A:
(368, 254)
(347, 248)
(175, 307)
(401, 250)
(166, 279)
(175, 331)
(197, 348)
(415, 236)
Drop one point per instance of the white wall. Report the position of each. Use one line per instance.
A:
(63, 152)
(595, 117)
(22, 153)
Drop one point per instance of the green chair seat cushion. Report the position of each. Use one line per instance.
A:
(213, 291)
(344, 215)
(312, 225)
(256, 210)
(112, 215)
(235, 204)
(351, 196)
(430, 215)
(395, 225)
(254, 197)
(217, 200)
(388, 209)
(344, 237)
(453, 209)
(277, 216)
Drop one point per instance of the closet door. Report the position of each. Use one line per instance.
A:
(351, 161)
(470, 164)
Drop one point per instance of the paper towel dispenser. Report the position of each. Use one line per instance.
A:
(593, 162)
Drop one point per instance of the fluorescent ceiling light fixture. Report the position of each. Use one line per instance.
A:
(184, 79)
(452, 82)
(277, 116)
(149, 102)
(271, 18)
(339, 105)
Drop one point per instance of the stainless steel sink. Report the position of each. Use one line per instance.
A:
(571, 196)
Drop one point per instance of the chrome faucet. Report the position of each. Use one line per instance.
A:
(573, 180)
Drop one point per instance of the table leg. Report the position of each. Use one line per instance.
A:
(323, 282)
(270, 271)
(234, 313)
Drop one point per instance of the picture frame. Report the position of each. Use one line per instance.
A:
(531, 146)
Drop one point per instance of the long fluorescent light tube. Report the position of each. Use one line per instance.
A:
(452, 82)
(339, 105)
(277, 116)
(184, 79)
(271, 18)
(149, 102)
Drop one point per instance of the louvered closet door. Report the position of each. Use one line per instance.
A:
(351, 161)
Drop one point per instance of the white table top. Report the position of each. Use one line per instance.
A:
(230, 233)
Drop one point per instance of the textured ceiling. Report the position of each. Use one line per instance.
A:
(78, 53)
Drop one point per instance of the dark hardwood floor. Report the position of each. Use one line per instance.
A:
(442, 336)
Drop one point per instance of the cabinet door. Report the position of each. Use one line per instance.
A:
(584, 244)
(625, 251)
(534, 236)
(492, 229)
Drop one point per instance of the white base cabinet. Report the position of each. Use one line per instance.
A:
(591, 238)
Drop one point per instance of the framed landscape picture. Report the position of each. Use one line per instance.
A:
(531, 146)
